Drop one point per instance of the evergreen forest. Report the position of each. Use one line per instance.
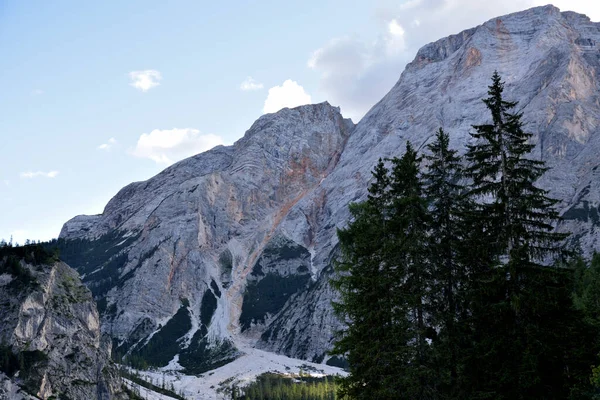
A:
(279, 387)
(454, 283)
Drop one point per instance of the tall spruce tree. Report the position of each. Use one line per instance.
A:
(412, 274)
(517, 353)
(364, 282)
(520, 215)
(447, 232)
(383, 279)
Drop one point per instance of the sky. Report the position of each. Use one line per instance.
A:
(96, 95)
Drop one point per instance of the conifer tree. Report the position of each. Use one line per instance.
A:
(516, 353)
(587, 289)
(411, 273)
(447, 206)
(383, 280)
(364, 282)
(520, 215)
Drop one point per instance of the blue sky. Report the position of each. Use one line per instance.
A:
(95, 95)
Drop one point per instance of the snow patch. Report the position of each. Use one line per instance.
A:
(128, 234)
(314, 270)
(173, 365)
(145, 393)
(239, 372)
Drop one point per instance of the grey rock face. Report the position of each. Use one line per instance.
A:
(53, 322)
(550, 63)
(227, 220)
(202, 224)
(10, 390)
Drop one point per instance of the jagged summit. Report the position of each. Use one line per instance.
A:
(197, 229)
(546, 58)
(524, 24)
(278, 136)
(246, 234)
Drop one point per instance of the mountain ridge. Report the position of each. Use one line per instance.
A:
(257, 220)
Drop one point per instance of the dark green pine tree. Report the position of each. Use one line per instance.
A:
(447, 232)
(412, 276)
(517, 353)
(364, 283)
(520, 216)
(384, 282)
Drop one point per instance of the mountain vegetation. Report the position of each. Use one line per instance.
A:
(453, 283)
(50, 341)
(280, 387)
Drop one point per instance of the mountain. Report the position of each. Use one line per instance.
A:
(233, 248)
(50, 339)
(198, 253)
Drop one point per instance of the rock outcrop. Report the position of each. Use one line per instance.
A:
(190, 241)
(50, 332)
(234, 247)
(10, 390)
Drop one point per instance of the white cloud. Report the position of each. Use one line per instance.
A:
(170, 145)
(6, 182)
(289, 94)
(36, 174)
(108, 145)
(356, 73)
(145, 80)
(251, 84)
(37, 92)
(395, 28)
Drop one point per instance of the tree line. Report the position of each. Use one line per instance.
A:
(274, 386)
(453, 282)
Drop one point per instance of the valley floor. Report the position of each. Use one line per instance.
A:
(214, 384)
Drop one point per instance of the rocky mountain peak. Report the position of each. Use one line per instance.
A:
(291, 142)
(234, 247)
(197, 230)
(544, 56)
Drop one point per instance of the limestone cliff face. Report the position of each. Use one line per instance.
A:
(50, 324)
(237, 243)
(550, 62)
(187, 240)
